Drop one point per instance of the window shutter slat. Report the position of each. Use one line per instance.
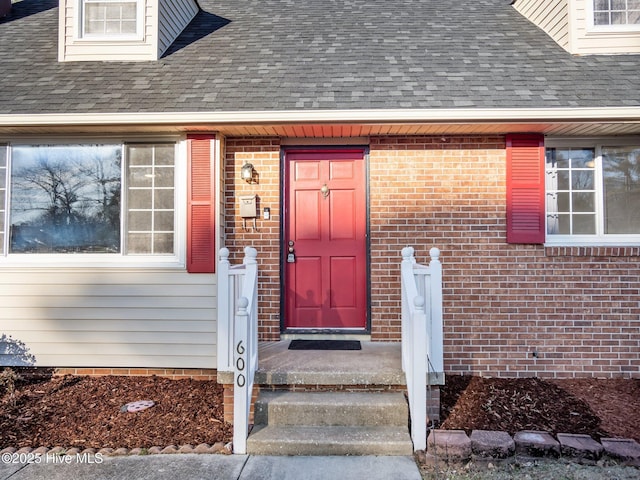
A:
(201, 205)
(525, 189)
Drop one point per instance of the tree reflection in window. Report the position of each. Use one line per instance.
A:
(65, 199)
(621, 171)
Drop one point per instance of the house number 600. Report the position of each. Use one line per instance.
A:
(240, 379)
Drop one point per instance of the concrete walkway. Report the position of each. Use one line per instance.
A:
(209, 467)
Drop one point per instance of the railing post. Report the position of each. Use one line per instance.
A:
(406, 268)
(225, 337)
(250, 260)
(436, 329)
(250, 256)
(241, 393)
(419, 390)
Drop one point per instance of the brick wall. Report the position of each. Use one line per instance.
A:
(509, 310)
(264, 154)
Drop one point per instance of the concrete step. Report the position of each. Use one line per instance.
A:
(329, 440)
(332, 409)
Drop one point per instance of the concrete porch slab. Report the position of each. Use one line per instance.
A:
(378, 363)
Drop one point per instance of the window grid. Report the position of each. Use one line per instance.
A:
(153, 182)
(149, 200)
(611, 192)
(571, 192)
(616, 12)
(110, 18)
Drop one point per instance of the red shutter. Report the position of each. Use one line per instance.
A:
(201, 205)
(525, 188)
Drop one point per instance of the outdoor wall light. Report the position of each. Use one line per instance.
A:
(246, 173)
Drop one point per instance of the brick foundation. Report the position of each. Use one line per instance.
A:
(172, 373)
(228, 403)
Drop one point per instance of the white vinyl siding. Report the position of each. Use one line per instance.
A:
(174, 16)
(570, 24)
(552, 16)
(162, 22)
(108, 318)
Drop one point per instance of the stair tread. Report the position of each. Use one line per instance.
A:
(331, 440)
(347, 433)
(331, 408)
(334, 398)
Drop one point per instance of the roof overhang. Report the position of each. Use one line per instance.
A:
(340, 123)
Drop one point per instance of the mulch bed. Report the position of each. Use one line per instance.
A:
(596, 407)
(85, 412)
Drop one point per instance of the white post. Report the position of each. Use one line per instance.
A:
(406, 269)
(436, 336)
(250, 260)
(241, 395)
(250, 256)
(419, 367)
(225, 338)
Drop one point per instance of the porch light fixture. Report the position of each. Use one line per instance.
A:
(246, 173)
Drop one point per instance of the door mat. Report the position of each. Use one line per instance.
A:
(325, 345)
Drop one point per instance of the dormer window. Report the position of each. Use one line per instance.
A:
(120, 30)
(111, 19)
(616, 13)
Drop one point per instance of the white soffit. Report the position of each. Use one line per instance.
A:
(345, 123)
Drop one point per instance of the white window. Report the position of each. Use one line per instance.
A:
(102, 200)
(110, 18)
(3, 193)
(616, 13)
(593, 192)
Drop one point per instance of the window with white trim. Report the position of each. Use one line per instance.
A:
(616, 12)
(3, 193)
(593, 192)
(107, 199)
(111, 18)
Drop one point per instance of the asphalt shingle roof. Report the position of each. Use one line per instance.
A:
(317, 54)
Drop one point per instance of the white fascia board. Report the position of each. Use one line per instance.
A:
(474, 115)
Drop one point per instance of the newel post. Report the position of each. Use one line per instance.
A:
(250, 256)
(407, 255)
(406, 271)
(225, 303)
(241, 396)
(436, 333)
(419, 412)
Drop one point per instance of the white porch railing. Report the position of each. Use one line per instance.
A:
(238, 335)
(422, 342)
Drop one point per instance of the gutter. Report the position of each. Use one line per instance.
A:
(372, 116)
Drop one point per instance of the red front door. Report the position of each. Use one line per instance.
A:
(325, 226)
